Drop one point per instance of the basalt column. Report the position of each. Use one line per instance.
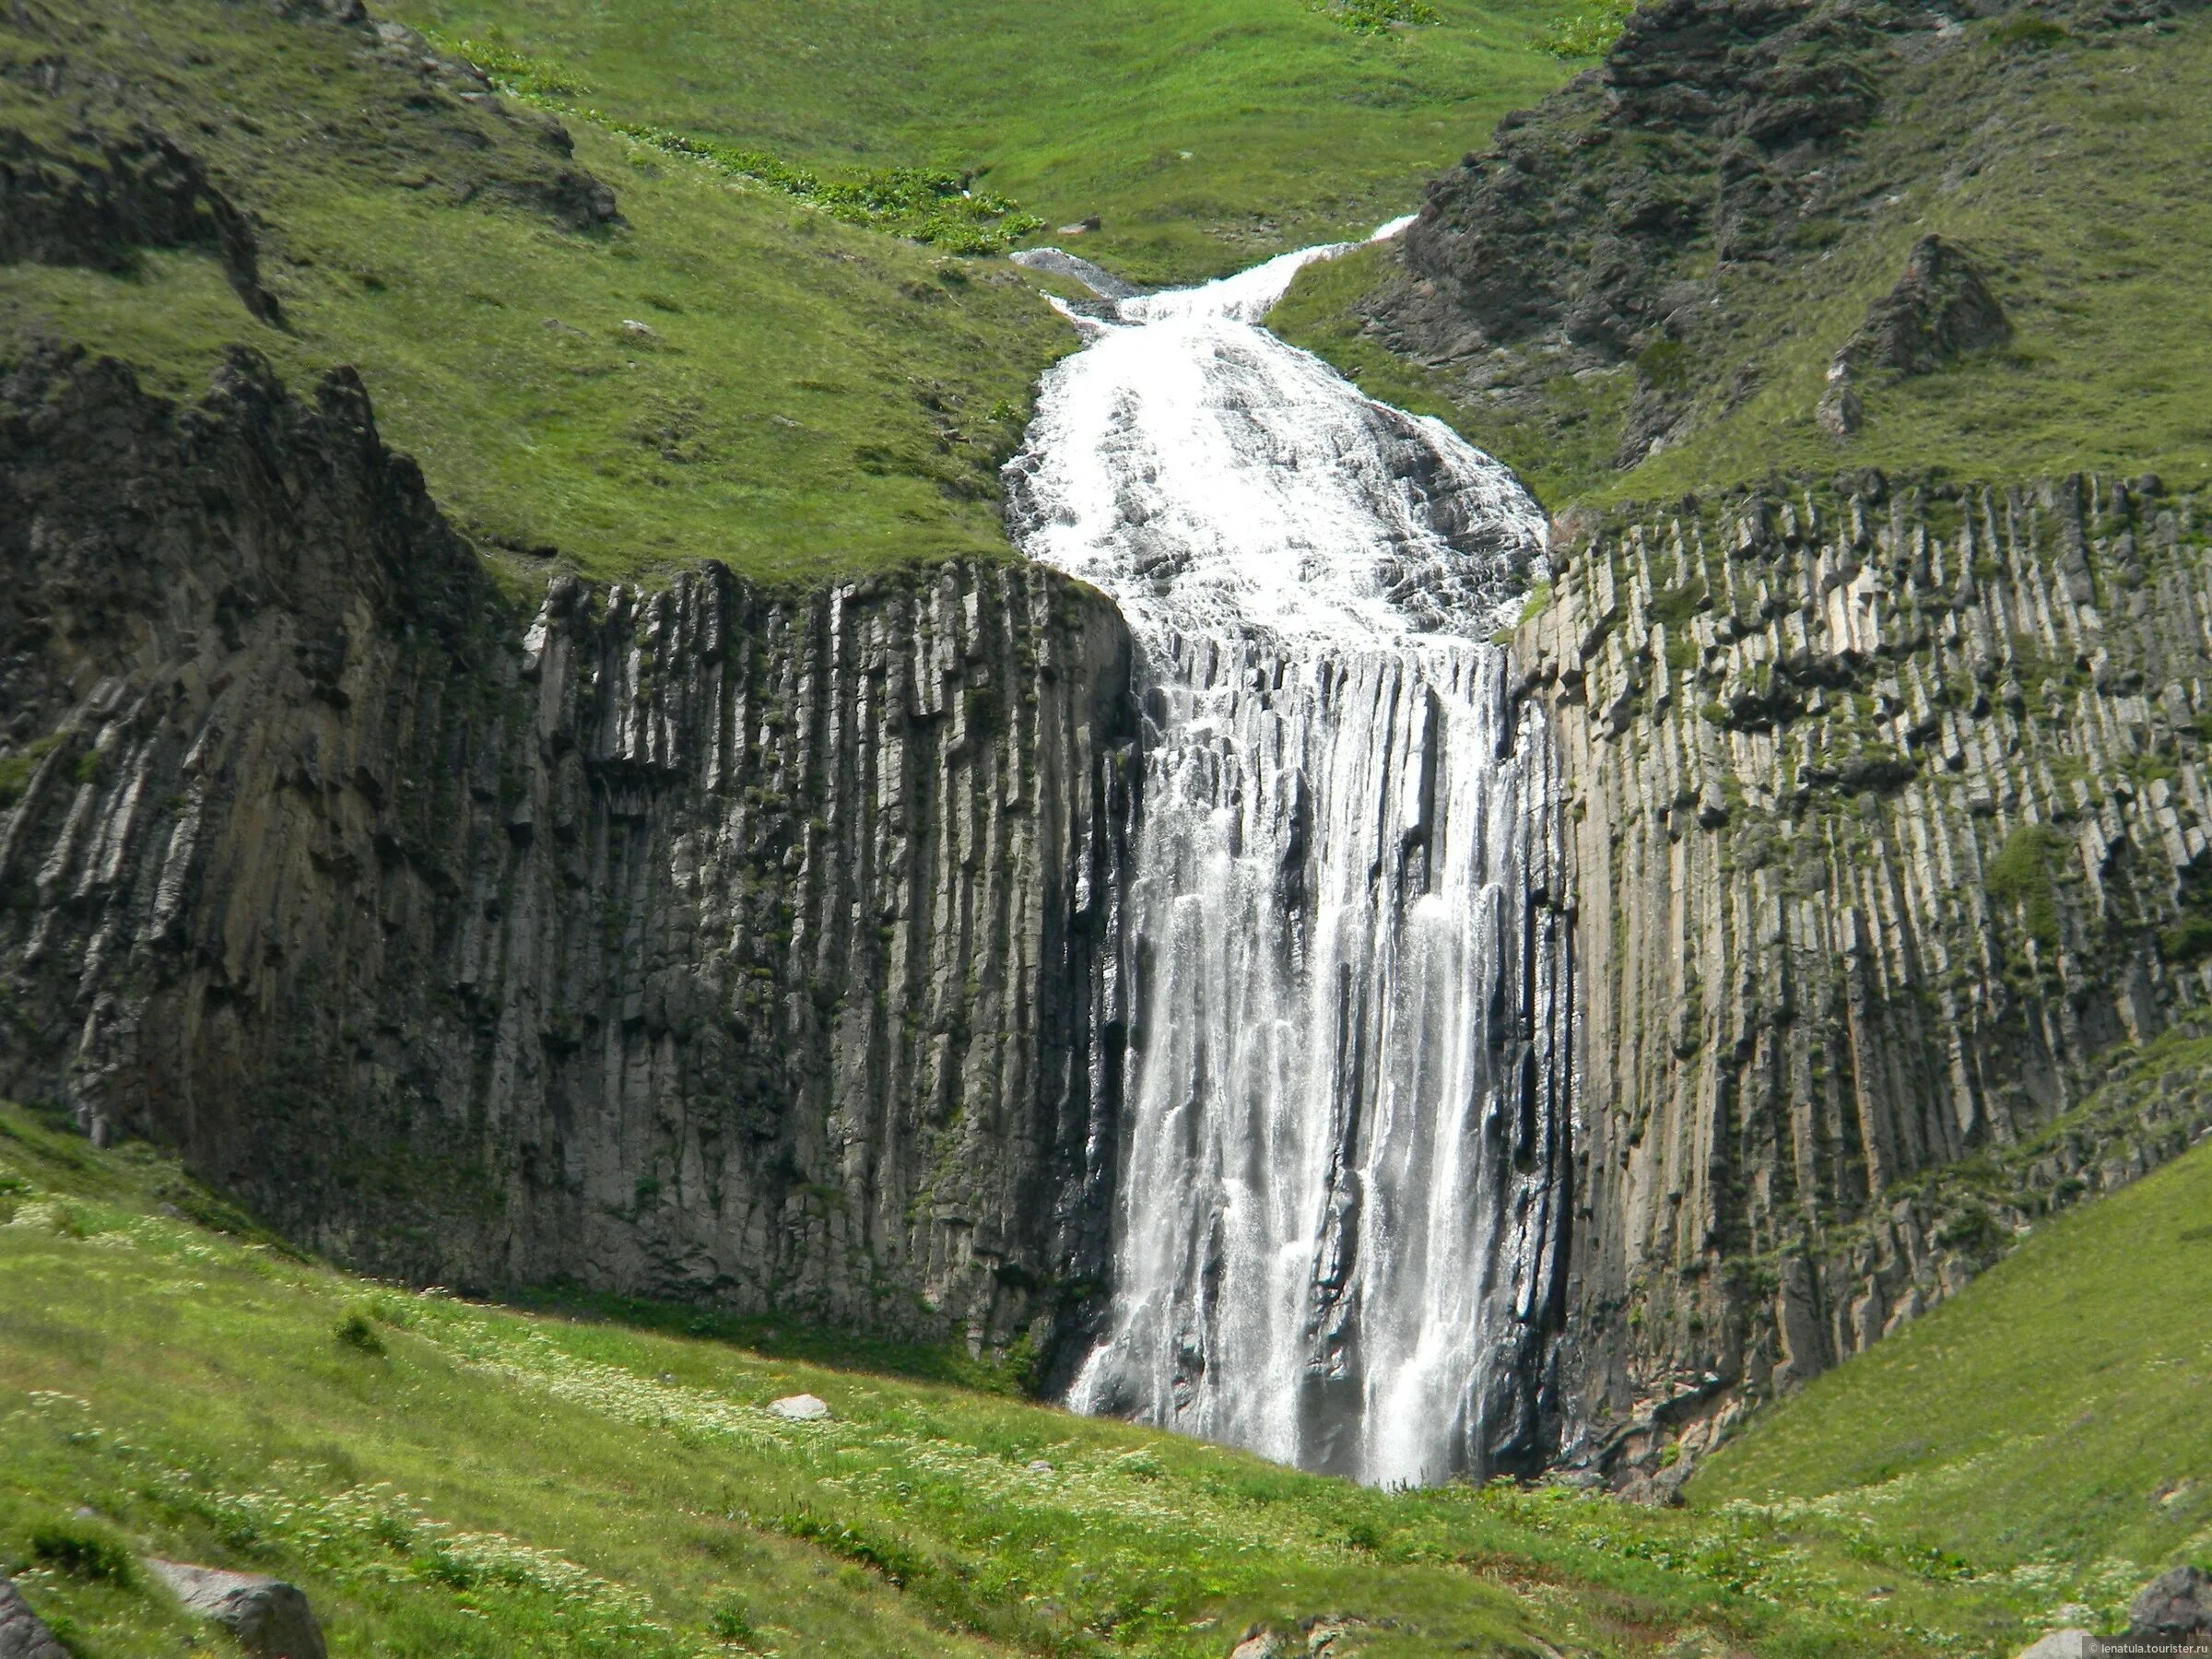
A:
(704, 942)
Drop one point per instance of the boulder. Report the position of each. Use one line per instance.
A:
(269, 1617)
(800, 1407)
(23, 1634)
(1315, 1638)
(2173, 1614)
(1940, 310)
(1839, 412)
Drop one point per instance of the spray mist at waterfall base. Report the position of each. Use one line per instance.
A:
(1342, 1143)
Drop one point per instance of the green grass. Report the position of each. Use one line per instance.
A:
(818, 396)
(449, 1478)
(2049, 1427)
(1204, 134)
(2071, 174)
(814, 400)
(1589, 33)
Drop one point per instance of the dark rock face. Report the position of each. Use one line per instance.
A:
(1708, 124)
(1940, 310)
(121, 183)
(1608, 259)
(99, 204)
(2172, 1614)
(23, 1634)
(1885, 816)
(270, 1619)
(707, 943)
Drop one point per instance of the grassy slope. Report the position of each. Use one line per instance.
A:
(2084, 208)
(498, 1482)
(2053, 1424)
(1298, 129)
(821, 399)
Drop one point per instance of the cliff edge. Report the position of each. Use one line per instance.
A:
(715, 943)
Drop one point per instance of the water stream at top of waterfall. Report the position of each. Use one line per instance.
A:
(1325, 1247)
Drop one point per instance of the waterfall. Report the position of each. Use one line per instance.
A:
(1339, 1190)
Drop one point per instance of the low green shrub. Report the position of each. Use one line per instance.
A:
(1588, 33)
(1376, 17)
(2025, 32)
(357, 1331)
(84, 1548)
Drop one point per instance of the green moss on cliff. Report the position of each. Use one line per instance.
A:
(2021, 875)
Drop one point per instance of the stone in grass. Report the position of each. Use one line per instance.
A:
(270, 1618)
(1315, 1638)
(800, 1409)
(1942, 308)
(1260, 1644)
(23, 1634)
(2173, 1614)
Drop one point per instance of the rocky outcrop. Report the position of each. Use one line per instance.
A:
(23, 1634)
(1940, 311)
(269, 1617)
(1599, 286)
(1886, 819)
(100, 202)
(110, 162)
(707, 943)
(1700, 130)
(2172, 1614)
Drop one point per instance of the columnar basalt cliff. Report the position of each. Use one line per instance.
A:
(1885, 821)
(760, 948)
(711, 943)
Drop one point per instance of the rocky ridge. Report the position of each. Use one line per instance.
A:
(1885, 821)
(710, 943)
(101, 201)
(1599, 278)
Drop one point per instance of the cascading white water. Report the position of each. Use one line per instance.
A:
(1328, 1244)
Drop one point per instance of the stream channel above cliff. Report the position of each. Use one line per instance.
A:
(1331, 1240)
